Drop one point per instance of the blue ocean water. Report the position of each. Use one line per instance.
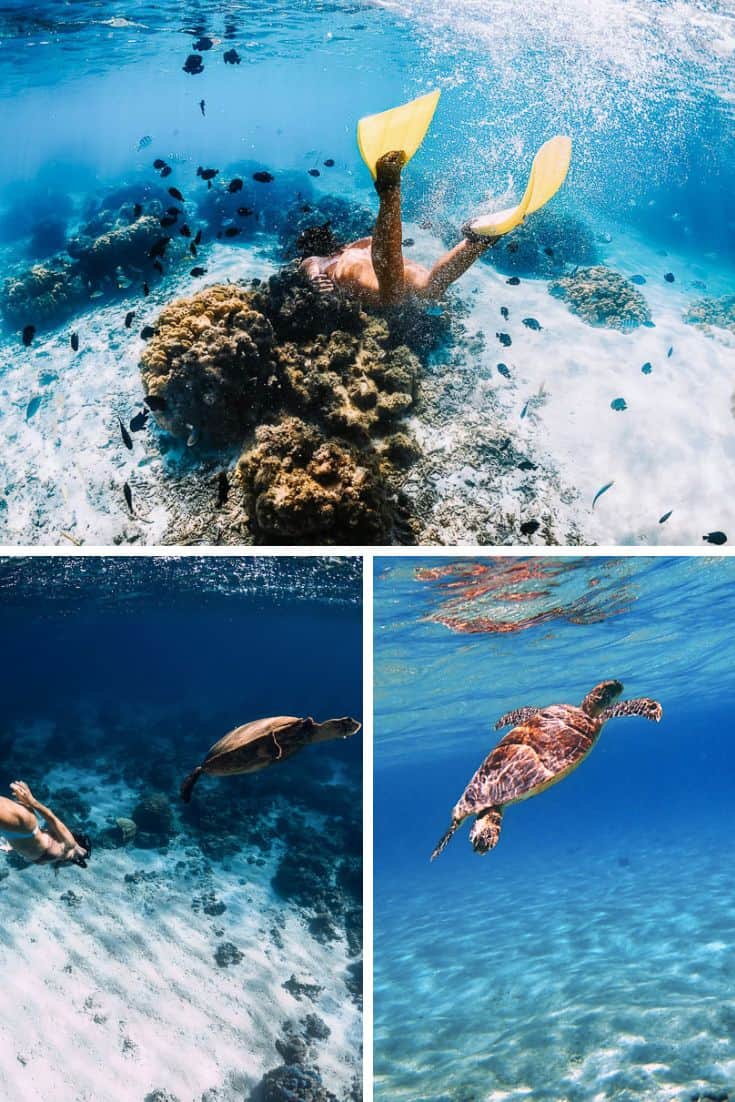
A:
(170, 952)
(590, 955)
(96, 94)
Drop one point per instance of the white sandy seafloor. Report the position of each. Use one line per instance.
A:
(116, 993)
(672, 450)
(597, 976)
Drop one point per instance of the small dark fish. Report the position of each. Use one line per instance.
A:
(232, 231)
(231, 57)
(202, 105)
(306, 209)
(128, 498)
(234, 185)
(207, 173)
(504, 339)
(158, 266)
(194, 64)
(408, 242)
(159, 248)
(601, 491)
(639, 280)
(669, 277)
(524, 411)
(512, 247)
(526, 465)
(314, 172)
(29, 333)
(647, 368)
(529, 527)
(263, 177)
(715, 537)
(198, 238)
(618, 404)
(33, 407)
(193, 249)
(504, 370)
(129, 318)
(531, 323)
(155, 402)
(504, 312)
(204, 43)
(168, 220)
(176, 194)
(329, 163)
(649, 324)
(513, 281)
(244, 212)
(74, 341)
(146, 289)
(147, 332)
(670, 352)
(223, 488)
(198, 272)
(185, 231)
(138, 422)
(166, 171)
(158, 164)
(137, 210)
(548, 251)
(126, 437)
(665, 517)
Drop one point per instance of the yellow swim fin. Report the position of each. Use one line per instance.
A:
(548, 173)
(402, 127)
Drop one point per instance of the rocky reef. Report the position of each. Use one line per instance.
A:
(712, 312)
(44, 294)
(309, 385)
(544, 246)
(601, 296)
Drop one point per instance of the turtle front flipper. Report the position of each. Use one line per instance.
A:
(512, 719)
(643, 706)
(486, 830)
(188, 785)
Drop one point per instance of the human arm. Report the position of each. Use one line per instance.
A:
(56, 828)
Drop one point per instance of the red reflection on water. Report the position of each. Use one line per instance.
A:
(466, 589)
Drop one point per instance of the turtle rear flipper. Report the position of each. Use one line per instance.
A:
(512, 719)
(188, 784)
(643, 706)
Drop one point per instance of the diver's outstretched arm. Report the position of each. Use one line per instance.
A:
(56, 828)
(454, 264)
(387, 240)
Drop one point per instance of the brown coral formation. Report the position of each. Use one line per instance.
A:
(42, 294)
(717, 312)
(310, 384)
(601, 296)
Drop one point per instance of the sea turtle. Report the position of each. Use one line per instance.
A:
(545, 746)
(259, 744)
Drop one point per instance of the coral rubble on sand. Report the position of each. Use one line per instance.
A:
(601, 296)
(309, 384)
(717, 312)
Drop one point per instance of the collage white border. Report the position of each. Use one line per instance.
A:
(368, 556)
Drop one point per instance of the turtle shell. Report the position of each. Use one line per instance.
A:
(252, 746)
(531, 757)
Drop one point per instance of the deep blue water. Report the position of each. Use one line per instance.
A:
(575, 915)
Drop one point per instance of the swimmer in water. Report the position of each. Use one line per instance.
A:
(52, 844)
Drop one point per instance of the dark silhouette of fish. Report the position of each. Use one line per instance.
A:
(513, 281)
(408, 242)
(234, 185)
(129, 318)
(198, 238)
(529, 527)
(128, 493)
(158, 164)
(665, 517)
(168, 220)
(601, 491)
(232, 231)
(505, 339)
(223, 489)
(158, 249)
(669, 277)
(639, 280)
(146, 289)
(549, 251)
(198, 272)
(532, 323)
(717, 538)
(155, 402)
(314, 172)
(203, 44)
(647, 368)
(618, 404)
(526, 465)
(194, 64)
(166, 171)
(193, 249)
(504, 312)
(147, 332)
(244, 212)
(670, 353)
(139, 420)
(33, 407)
(176, 194)
(185, 231)
(329, 163)
(202, 105)
(126, 437)
(263, 177)
(29, 332)
(231, 57)
(503, 370)
(74, 341)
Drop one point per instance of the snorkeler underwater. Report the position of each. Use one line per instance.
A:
(575, 945)
(326, 273)
(157, 942)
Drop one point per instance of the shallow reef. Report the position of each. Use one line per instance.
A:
(716, 312)
(601, 296)
(544, 246)
(44, 294)
(311, 387)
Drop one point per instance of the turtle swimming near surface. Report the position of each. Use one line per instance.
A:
(544, 747)
(259, 744)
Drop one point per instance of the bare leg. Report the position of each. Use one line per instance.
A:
(454, 264)
(387, 240)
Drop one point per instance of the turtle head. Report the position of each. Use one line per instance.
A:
(601, 697)
(334, 728)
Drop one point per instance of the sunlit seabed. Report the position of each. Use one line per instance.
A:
(590, 956)
(647, 94)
